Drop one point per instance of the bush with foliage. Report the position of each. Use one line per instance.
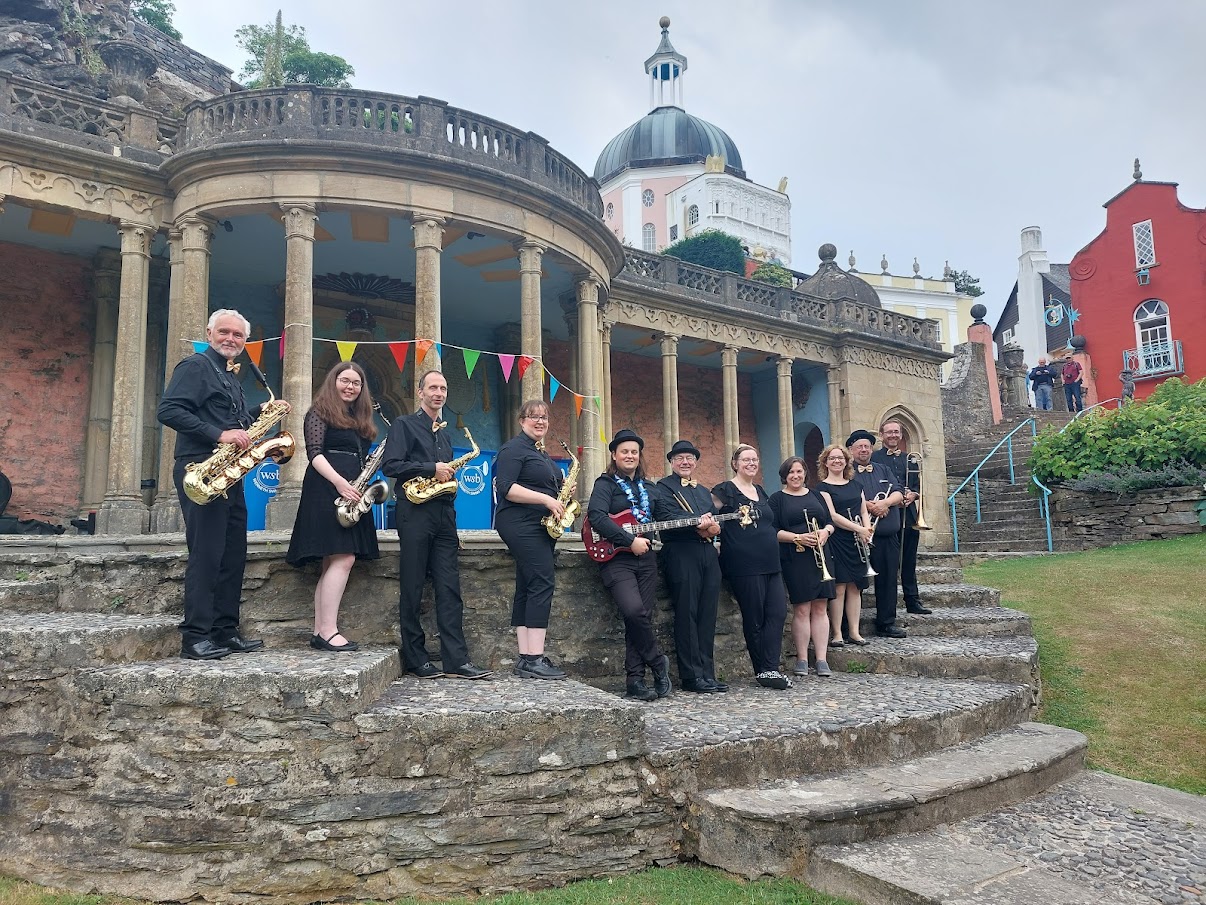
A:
(1131, 479)
(775, 274)
(280, 55)
(1151, 437)
(711, 248)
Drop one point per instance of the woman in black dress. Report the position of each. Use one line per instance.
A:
(749, 561)
(527, 482)
(796, 509)
(631, 576)
(338, 430)
(847, 506)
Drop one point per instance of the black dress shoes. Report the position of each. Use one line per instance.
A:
(426, 671)
(703, 687)
(237, 644)
(203, 650)
(537, 667)
(891, 632)
(661, 676)
(917, 609)
(639, 691)
(719, 686)
(319, 643)
(468, 671)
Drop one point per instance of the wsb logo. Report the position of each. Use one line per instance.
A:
(267, 477)
(472, 479)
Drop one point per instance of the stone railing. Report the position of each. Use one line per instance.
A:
(38, 109)
(732, 291)
(373, 119)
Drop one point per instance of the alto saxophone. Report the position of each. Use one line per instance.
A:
(422, 490)
(558, 526)
(205, 481)
(377, 492)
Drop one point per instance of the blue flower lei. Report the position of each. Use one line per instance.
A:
(641, 512)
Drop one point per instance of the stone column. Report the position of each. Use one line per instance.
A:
(605, 376)
(589, 354)
(429, 244)
(732, 429)
(787, 427)
(298, 378)
(165, 511)
(530, 254)
(158, 312)
(105, 288)
(123, 511)
(669, 391)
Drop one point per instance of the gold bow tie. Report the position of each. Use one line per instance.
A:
(689, 482)
(437, 425)
(233, 366)
(865, 468)
(893, 452)
(540, 445)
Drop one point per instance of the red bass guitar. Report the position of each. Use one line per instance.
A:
(601, 550)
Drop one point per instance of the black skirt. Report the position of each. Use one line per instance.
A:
(317, 532)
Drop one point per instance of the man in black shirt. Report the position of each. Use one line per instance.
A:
(204, 404)
(418, 446)
(876, 479)
(893, 455)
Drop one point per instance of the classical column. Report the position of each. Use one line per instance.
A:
(105, 288)
(787, 427)
(165, 511)
(429, 244)
(669, 391)
(605, 376)
(123, 511)
(589, 352)
(158, 312)
(298, 378)
(732, 430)
(530, 254)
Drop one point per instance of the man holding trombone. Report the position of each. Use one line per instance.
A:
(884, 499)
(906, 466)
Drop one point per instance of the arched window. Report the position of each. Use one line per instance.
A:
(692, 215)
(611, 211)
(649, 237)
(1153, 338)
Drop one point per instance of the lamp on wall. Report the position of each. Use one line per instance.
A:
(1144, 276)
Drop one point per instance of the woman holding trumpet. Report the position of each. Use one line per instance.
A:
(848, 512)
(807, 563)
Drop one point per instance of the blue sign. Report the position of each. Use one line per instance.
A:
(475, 491)
(259, 486)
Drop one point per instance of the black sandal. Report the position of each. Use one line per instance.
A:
(325, 644)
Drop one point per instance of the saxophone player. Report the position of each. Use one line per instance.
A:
(418, 446)
(527, 483)
(338, 429)
(204, 404)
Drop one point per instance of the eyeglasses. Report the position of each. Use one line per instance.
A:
(836, 459)
(345, 382)
(543, 418)
(747, 461)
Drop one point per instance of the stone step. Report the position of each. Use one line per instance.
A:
(1001, 658)
(955, 621)
(952, 574)
(1003, 545)
(772, 830)
(947, 595)
(38, 646)
(1094, 839)
(20, 595)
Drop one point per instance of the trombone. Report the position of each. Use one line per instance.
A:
(819, 552)
(913, 463)
(864, 547)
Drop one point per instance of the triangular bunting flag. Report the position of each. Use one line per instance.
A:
(255, 351)
(421, 347)
(346, 350)
(470, 360)
(577, 406)
(439, 349)
(199, 345)
(507, 362)
(554, 386)
(602, 436)
(599, 406)
(525, 362)
(399, 351)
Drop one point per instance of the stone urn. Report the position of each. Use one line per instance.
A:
(1013, 356)
(130, 65)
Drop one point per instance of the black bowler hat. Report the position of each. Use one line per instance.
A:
(683, 446)
(861, 435)
(623, 435)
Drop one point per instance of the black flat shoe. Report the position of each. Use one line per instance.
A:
(700, 687)
(861, 642)
(639, 691)
(891, 632)
(661, 676)
(325, 644)
(468, 671)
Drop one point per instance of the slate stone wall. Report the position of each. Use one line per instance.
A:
(1083, 521)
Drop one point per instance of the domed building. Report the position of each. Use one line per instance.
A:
(671, 175)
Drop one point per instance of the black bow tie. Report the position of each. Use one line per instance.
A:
(865, 468)
(437, 425)
(893, 452)
(233, 366)
(688, 482)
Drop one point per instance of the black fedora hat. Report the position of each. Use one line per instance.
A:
(861, 435)
(623, 435)
(683, 446)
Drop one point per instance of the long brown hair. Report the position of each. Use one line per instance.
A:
(336, 413)
(847, 472)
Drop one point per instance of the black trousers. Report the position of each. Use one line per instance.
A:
(885, 560)
(428, 546)
(532, 548)
(693, 577)
(632, 581)
(762, 600)
(217, 554)
(909, 540)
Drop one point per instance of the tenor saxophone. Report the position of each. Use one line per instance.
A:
(558, 526)
(422, 490)
(377, 492)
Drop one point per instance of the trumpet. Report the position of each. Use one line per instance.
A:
(819, 552)
(864, 547)
(878, 498)
(914, 459)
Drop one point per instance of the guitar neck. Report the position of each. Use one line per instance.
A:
(650, 527)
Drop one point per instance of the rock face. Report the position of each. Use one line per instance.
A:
(49, 41)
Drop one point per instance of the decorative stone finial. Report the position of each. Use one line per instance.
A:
(947, 273)
(978, 311)
(1138, 174)
(664, 22)
(883, 263)
(851, 260)
(1078, 342)
(916, 268)
(827, 253)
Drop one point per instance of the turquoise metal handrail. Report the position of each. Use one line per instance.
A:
(1095, 405)
(1045, 508)
(1006, 441)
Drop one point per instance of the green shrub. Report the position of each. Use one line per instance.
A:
(711, 248)
(775, 274)
(1131, 479)
(1166, 429)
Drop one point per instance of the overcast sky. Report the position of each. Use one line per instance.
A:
(929, 128)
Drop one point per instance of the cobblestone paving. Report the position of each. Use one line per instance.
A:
(1018, 646)
(1080, 830)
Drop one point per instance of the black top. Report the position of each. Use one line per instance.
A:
(1041, 374)
(754, 549)
(607, 497)
(847, 499)
(668, 504)
(413, 448)
(898, 465)
(792, 512)
(201, 401)
(880, 480)
(520, 462)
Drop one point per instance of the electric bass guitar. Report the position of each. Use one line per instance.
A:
(601, 550)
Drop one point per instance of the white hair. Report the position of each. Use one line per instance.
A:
(228, 312)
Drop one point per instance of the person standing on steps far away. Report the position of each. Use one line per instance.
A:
(1042, 380)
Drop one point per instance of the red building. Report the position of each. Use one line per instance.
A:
(1140, 288)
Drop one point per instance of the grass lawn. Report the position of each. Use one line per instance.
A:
(666, 886)
(1122, 646)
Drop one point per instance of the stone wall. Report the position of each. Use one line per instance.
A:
(1082, 521)
(965, 402)
(45, 378)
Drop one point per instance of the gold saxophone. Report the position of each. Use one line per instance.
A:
(205, 481)
(422, 490)
(377, 492)
(558, 526)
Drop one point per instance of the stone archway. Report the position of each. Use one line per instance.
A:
(810, 441)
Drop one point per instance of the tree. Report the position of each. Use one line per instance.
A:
(966, 283)
(775, 274)
(158, 14)
(280, 55)
(711, 248)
